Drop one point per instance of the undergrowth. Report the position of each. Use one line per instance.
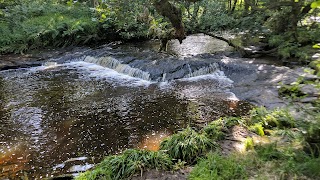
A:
(295, 156)
(187, 145)
(31, 25)
(216, 130)
(128, 163)
(278, 118)
(216, 166)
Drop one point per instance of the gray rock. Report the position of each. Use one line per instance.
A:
(310, 90)
(308, 99)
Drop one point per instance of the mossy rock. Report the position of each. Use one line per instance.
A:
(316, 66)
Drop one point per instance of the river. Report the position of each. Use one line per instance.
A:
(66, 115)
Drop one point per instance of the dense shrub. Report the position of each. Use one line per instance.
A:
(187, 145)
(37, 24)
(279, 118)
(217, 129)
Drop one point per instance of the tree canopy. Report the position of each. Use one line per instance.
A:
(278, 28)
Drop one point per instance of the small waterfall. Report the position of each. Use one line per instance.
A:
(116, 65)
(164, 77)
(214, 67)
(189, 68)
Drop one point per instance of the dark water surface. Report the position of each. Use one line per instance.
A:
(63, 118)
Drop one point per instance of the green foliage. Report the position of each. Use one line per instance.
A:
(215, 17)
(34, 24)
(39, 24)
(279, 118)
(129, 20)
(315, 4)
(187, 145)
(291, 91)
(268, 152)
(315, 65)
(99, 173)
(310, 167)
(128, 163)
(288, 161)
(216, 166)
(257, 128)
(248, 143)
(216, 129)
(312, 135)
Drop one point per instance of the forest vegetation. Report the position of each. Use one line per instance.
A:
(254, 28)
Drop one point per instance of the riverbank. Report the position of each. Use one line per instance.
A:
(264, 144)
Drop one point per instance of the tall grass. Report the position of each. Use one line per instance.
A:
(215, 166)
(128, 163)
(187, 145)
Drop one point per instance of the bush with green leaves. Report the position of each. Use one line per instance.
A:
(30, 24)
(215, 17)
(312, 129)
(287, 161)
(292, 91)
(187, 145)
(217, 129)
(257, 128)
(127, 164)
(279, 118)
(216, 166)
(35, 24)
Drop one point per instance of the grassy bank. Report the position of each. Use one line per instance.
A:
(28, 25)
(288, 152)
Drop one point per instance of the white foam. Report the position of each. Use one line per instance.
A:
(98, 72)
(217, 75)
(117, 65)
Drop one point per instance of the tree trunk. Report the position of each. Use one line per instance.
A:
(94, 3)
(166, 9)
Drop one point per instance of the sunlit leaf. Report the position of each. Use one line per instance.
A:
(316, 46)
(315, 4)
(103, 16)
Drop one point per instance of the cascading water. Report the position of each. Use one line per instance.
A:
(116, 65)
(212, 68)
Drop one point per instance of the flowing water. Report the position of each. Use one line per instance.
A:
(64, 116)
